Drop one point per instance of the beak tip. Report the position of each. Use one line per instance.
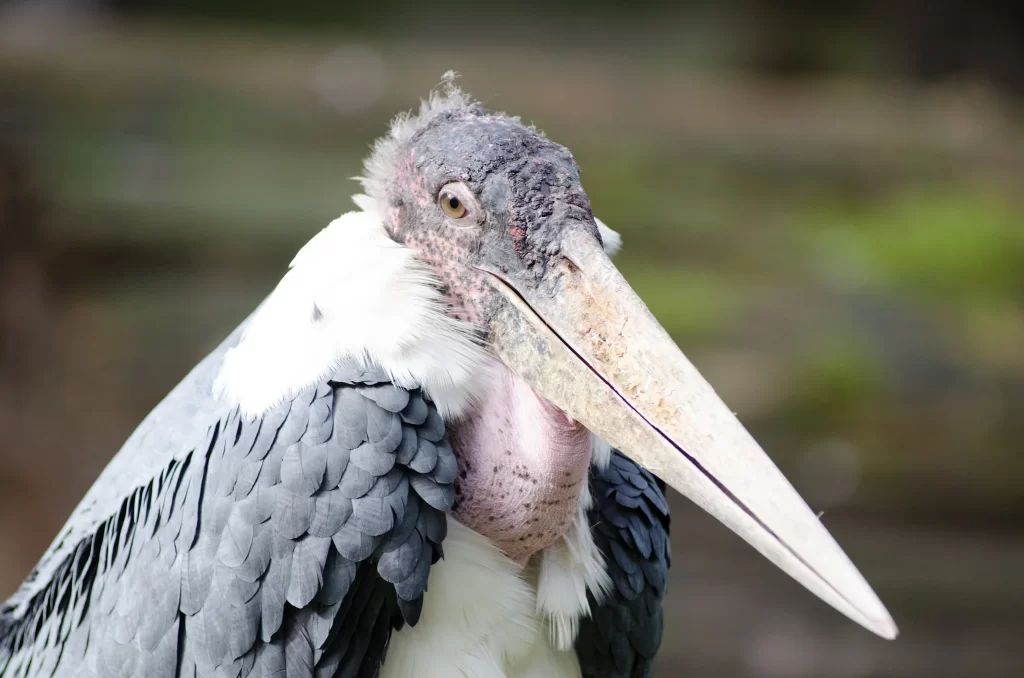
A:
(876, 618)
(867, 609)
(885, 628)
(880, 622)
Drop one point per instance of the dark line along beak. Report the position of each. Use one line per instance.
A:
(593, 348)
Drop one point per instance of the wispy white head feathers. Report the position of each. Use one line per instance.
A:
(379, 165)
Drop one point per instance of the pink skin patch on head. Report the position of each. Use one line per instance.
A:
(522, 466)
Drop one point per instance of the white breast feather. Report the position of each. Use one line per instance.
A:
(479, 620)
(478, 613)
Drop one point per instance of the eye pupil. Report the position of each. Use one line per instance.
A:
(453, 203)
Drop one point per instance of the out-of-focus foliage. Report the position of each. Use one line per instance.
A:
(963, 245)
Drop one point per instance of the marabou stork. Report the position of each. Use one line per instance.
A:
(429, 452)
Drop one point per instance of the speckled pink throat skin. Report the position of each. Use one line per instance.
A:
(522, 466)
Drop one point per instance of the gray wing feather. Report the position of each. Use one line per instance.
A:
(630, 523)
(388, 396)
(216, 545)
(415, 412)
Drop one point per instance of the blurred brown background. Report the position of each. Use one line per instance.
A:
(821, 201)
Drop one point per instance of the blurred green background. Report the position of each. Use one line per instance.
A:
(821, 201)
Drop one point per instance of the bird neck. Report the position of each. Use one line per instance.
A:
(522, 467)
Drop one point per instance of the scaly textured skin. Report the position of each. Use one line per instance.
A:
(294, 542)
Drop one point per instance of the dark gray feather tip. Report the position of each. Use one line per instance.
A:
(630, 523)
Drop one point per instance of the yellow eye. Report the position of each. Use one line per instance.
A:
(452, 205)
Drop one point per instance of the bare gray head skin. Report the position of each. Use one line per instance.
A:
(521, 191)
(499, 214)
(523, 462)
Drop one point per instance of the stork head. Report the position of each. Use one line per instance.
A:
(480, 197)
(499, 213)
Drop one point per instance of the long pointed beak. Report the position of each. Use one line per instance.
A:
(587, 343)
